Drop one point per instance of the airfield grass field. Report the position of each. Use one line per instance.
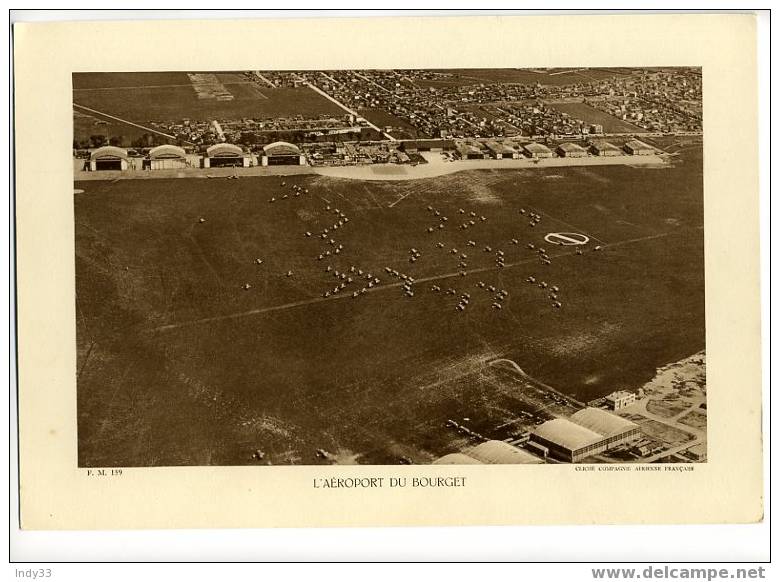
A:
(178, 364)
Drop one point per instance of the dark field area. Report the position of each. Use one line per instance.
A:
(178, 364)
(86, 125)
(145, 97)
(590, 114)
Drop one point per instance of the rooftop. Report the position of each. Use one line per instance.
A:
(603, 145)
(602, 422)
(501, 453)
(568, 146)
(456, 459)
(567, 434)
(536, 148)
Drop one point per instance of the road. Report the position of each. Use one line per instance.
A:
(314, 87)
(533, 380)
(700, 436)
(264, 79)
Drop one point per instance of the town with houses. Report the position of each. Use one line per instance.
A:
(388, 117)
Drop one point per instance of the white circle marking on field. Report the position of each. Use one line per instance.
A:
(566, 238)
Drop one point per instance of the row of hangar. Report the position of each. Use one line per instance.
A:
(588, 432)
(171, 157)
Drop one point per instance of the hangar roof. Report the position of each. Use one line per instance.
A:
(501, 453)
(567, 434)
(224, 150)
(568, 146)
(602, 422)
(281, 148)
(604, 145)
(499, 147)
(456, 459)
(166, 151)
(536, 148)
(638, 145)
(108, 153)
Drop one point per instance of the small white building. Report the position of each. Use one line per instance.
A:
(620, 399)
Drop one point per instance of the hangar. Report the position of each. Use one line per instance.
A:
(566, 440)
(571, 150)
(501, 453)
(589, 432)
(282, 153)
(501, 151)
(615, 429)
(490, 453)
(638, 148)
(456, 459)
(225, 155)
(604, 149)
(537, 150)
(470, 151)
(108, 158)
(166, 157)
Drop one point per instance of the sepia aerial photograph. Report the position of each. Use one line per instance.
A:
(389, 267)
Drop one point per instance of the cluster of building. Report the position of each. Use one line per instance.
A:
(250, 131)
(223, 154)
(588, 432)
(661, 101)
(507, 149)
(536, 119)
(432, 104)
(491, 453)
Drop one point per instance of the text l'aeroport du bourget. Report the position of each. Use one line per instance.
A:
(379, 482)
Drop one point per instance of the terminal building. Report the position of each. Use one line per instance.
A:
(226, 155)
(537, 150)
(571, 150)
(108, 158)
(588, 432)
(620, 399)
(166, 157)
(638, 148)
(282, 153)
(491, 453)
(604, 149)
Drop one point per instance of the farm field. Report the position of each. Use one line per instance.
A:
(145, 97)
(590, 114)
(86, 125)
(179, 364)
